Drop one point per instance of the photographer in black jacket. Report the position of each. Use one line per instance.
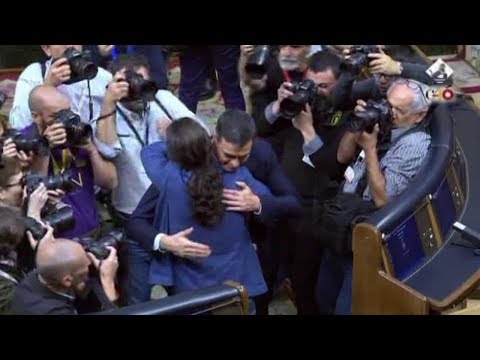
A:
(382, 70)
(308, 129)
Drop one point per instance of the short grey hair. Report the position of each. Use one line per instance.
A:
(420, 102)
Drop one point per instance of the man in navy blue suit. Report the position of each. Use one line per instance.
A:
(231, 152)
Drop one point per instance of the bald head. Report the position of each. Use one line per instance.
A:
(43, 96)
(59, 259)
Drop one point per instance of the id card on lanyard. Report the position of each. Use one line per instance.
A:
(142, 142)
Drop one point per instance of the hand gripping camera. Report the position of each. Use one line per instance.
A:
(304, 93)
(81, 67)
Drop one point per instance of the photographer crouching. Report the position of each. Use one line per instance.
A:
(61, 284)
(392, 140)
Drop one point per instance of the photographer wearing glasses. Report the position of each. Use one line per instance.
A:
(71, 71)
(394, 141)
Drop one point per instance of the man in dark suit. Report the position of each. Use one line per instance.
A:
(234, 145)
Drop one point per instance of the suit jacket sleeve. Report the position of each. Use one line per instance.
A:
(283, 199)
(140, 225)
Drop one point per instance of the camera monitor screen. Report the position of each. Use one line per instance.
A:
(405, 248)
(444, 207)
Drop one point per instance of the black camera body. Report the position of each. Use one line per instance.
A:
(81, 67)
(38, 145)
(304, 93)
(3, 98)
(256, 66)
(99, 247)
(61, 181)
(359, 59)
(139, 88)
(376, 112)
(77, 131)
(61, 221)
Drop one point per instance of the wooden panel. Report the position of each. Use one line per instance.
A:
(375, 292)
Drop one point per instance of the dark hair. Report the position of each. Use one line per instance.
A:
(130, 61)
(190, 146)
(236, 127)
(324, 60)
(12, 229)
(4, 124)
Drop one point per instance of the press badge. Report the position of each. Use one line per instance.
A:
(349, 174)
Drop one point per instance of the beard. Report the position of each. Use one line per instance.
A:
(290, 63)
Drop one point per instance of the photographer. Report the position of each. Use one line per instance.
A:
(12, 230)
(288, 65)
(61, 284)
(72, 150)
(384, 70)
(12, 233)
(382, 171)
(77, 77)
(312, 158)
(133, 120)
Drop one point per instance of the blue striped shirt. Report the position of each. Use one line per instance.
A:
(399, 165)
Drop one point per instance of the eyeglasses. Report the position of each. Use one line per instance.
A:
(415, 87)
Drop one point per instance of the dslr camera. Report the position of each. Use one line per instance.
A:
(139, 88)
(77, 131)
(304, 93)
(61, 221)
(3, 98)
(99, 247)
(358, 59)
(38, 145)
(256, 65)
(81, 67)
(376, 112)
(61, 181)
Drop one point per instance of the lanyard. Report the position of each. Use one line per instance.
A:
(135, 132)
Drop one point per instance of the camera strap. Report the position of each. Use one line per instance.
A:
(8, 276)
(163, 108)
(90, 102)
(43, 66)
(135, 132)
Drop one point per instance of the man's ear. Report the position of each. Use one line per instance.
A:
(46, 50)
(67, 281)
(420, 117)
(36, 117)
